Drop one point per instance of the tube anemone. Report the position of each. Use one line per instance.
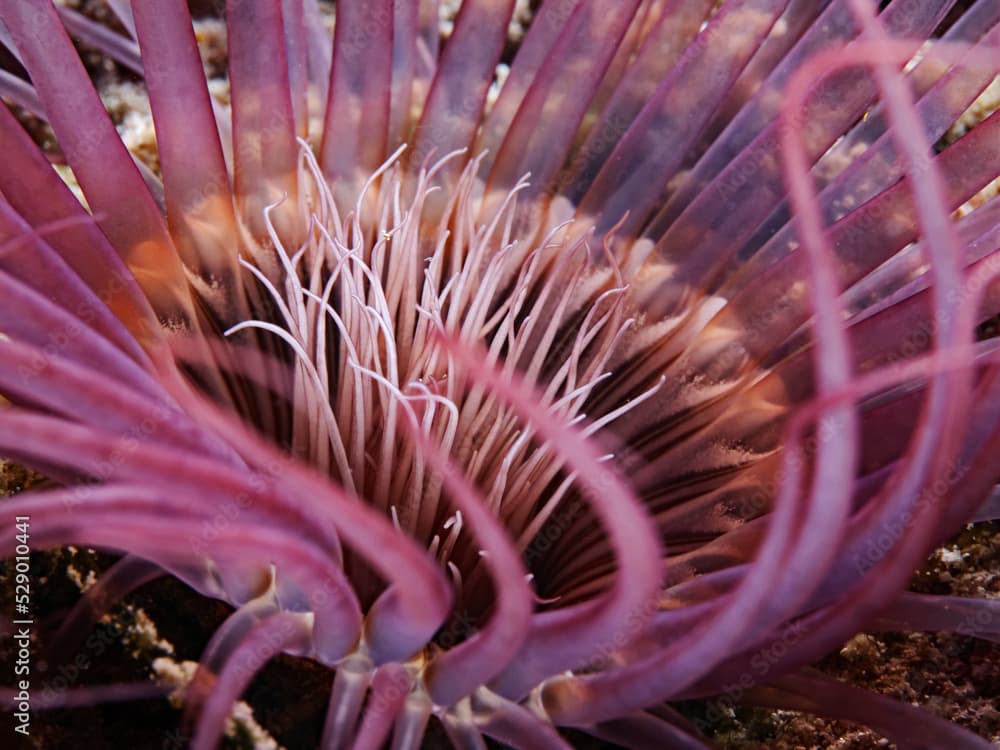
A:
(523, 399)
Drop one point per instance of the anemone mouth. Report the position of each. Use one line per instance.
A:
(525, 452)
(355, 312)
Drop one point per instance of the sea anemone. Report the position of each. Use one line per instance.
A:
(524, 398)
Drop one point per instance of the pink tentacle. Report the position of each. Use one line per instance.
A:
(515, 725)
(549, 21)
(643, 731)
(737, 210)
(293, 16)
(903, 724)
(663, 46)
(876, 169)
(457, 671)
(568, 80)
(942, 410)
(120, 49)
(21, 93)
(953, 614)
(741, 141)
(114, 188)
(404, 67)
(127, 513)
(458, 93)
(407, 614)
(832, 373)
(220, 649)
(630, 181)
(196, 181)
(78, 241)
(390, 686)
(863, 240)
(350, 685)
(265, 150)
(125, 576)
(320, 51)
(83, 395)
(357, 112)
(123, 12)
(828, 626)
(30, 317)
(562, 639)
(265, 640)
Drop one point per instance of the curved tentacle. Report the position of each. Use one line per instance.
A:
(903, 724)
(265, 640)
